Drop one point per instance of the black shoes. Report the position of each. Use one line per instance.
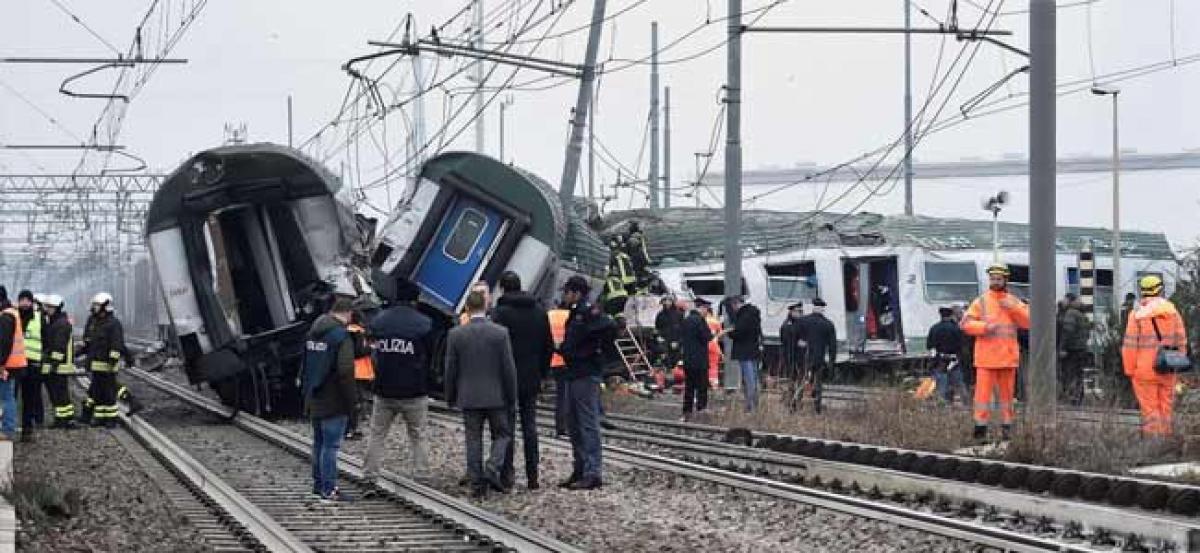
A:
(570, 481)
(1006, 433)
(532, 481)
(586, 484)
(479, 491)
(980, 434)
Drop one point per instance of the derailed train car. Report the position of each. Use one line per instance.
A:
(250, 242)
(469, 218)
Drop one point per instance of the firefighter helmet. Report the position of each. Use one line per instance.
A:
(998, 269)
(1151, 285)
(52, 300)
(104, 300)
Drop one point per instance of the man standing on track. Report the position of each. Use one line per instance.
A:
(1154, 324)
(403, 339)
(57, 366)
(12, 364)
(994, 319)
(32, 324)
(327, 381)
(746, 334)
(532, 345)
(587, 331)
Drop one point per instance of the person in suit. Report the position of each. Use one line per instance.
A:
(481, 379)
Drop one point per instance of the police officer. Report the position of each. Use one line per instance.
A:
(58, 354)
(582, 348)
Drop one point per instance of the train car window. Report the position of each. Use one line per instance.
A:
(1018, 283)
(792, 281)
(951, 281)
(711, 287)
(467, 230)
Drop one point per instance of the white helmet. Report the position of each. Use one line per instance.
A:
(52, 300)
(39, 298)
(104, 300)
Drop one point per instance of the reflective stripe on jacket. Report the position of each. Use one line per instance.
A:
(996, 347)
(1139, 350)
(16, 356)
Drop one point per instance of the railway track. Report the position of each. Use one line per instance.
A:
(1001, 516)
(257, 477)
(1102, 511)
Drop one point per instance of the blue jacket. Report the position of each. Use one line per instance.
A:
(583, 344)
(403, 341)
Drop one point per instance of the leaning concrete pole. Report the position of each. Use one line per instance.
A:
(566, 188)
(1042, 387)
(654, 116)
(733, 166)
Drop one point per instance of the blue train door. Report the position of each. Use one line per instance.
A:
(463, 242)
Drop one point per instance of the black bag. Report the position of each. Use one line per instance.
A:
(1169, 360)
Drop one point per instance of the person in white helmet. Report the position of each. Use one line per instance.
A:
(58, 360)
(105, 346)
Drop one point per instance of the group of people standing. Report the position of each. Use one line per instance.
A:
(495, 361)
(808, 345)
(38, 351)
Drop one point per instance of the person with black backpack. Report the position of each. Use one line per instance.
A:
(327, 382)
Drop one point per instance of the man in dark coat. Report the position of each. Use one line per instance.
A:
(821, 338)
(694, 338)
(746, 335)
(667, 327)
(945, 343)
(481, 379)
(588, 330)
(330, 393)
(1073, 351)
(792, 344)
(532, 346)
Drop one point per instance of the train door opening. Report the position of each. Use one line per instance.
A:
(872, 302)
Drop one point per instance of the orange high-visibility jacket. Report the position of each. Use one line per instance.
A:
(714, 348)
(364, 367)
(16, 357)
(558, 331)
(1140, 347)
(993, 319)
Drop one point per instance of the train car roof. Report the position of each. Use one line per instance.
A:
(689, 235)
(566, 230)
(250, 172)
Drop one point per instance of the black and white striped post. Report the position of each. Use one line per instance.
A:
(1087, 279)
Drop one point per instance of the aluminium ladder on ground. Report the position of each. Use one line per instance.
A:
(633, 356)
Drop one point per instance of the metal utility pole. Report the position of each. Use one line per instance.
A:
(733, 166)
(479, 118)
(591, 126)
(666, 171)
(503, 106)
(1042, 384)
(566, 189)
(654, 119)
(289, 120)
(1116, 195)
(908, 135)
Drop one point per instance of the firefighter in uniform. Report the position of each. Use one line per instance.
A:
(994, 319)
(32, 321)
(1154, 323)
(105, 346)
(57, 363)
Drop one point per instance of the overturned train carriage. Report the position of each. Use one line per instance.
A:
(250, 242)
(470, 218)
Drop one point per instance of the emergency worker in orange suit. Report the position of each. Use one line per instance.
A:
(993, 319)
(714, 347)
(1153, 324)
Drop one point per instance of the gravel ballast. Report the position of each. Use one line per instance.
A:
(642, 510)
(101, 500)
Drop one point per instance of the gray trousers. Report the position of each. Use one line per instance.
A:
(502, 434)
(383, 415)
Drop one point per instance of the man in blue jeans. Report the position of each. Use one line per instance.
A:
(582, 348)
(746, 334)
(327, 380)
(13, 363)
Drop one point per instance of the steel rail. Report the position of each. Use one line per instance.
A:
(490, 525)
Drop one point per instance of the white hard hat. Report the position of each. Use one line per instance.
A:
(52, 300)
(103, 299)
(40, 298)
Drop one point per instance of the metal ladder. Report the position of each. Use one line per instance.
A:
(634, 357)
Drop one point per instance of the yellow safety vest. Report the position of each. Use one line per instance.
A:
(33, 338)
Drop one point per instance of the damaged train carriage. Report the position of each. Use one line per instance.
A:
(249, 243)
(469, 218)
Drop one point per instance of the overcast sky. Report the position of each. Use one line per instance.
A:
(810, 98)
